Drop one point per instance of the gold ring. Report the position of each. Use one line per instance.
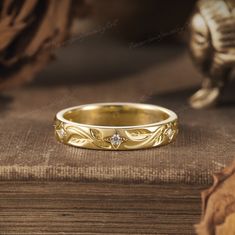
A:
(116, 126)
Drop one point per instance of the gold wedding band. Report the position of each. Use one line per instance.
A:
(116, 126)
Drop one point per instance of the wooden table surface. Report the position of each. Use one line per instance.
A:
(75, 208)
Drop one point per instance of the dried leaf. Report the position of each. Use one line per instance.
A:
(218, 203)
(228, 228)
(30, 31)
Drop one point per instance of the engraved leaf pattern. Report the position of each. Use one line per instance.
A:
(77, 136)
(96, 134)
(131, 139)
(152, 139)
(159, 137)
(77, 140)
(99, 140)
(139, 134)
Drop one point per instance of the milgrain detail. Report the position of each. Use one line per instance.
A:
(116, 139)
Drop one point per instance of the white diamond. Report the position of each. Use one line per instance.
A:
(61, 132)
(116, 140)
(169, 133)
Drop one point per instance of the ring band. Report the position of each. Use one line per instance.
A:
(116, 126)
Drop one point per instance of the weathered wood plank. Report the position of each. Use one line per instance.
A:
(75, 208)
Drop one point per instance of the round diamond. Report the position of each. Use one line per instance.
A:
(169, 133)
(61, 132)
(116, 140)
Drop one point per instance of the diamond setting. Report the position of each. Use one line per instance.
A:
(62, 133)
(170, 133)
(116, 140)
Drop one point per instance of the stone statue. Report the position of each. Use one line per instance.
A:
(212, 46)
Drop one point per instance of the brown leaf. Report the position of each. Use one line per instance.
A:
(218, 202)
(30, 32)
(228, 228)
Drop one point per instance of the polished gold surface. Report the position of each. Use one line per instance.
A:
(116, 126)
(212, 44)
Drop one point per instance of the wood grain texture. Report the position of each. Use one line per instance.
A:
(105, 71)
(75, 208)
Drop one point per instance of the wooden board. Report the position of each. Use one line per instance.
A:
(75, 208)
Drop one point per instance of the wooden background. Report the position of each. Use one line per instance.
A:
(75, 208)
